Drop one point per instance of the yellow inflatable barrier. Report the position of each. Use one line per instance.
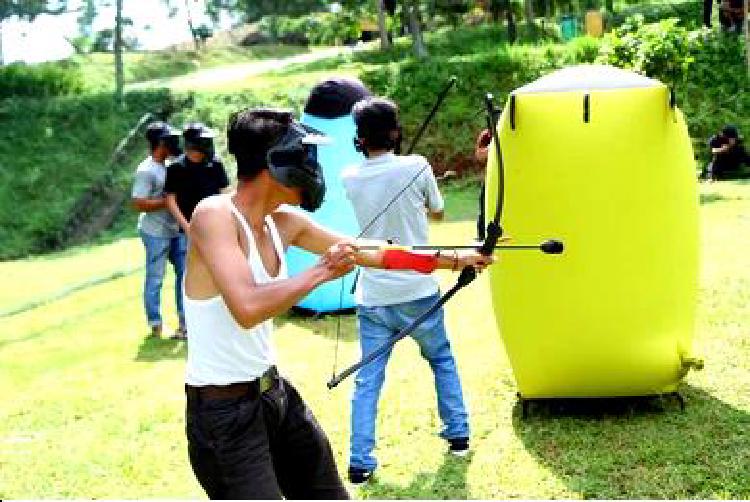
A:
(601, 159)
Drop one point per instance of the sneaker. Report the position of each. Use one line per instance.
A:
(155, 332)
(458, 446)
(179, 334)
(358, 476)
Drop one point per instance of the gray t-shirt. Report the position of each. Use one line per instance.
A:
(149, 183)
(369, 187)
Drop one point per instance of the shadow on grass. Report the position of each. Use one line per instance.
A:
(642, 449)
(448, 482)
(709, 198)
(156, 349)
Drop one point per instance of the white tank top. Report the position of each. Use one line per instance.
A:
(220, 351)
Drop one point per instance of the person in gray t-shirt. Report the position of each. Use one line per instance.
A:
(388, 301)
(158, 229)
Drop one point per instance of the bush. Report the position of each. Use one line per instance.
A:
(690, 12)
(40, 80)
(320, 28)
(584, 49)
(660, 50)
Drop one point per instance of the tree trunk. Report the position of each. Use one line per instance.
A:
(512, 32)
(385, 42)
(193, 34)
(415, 27)
(529, 7)
(119, 80)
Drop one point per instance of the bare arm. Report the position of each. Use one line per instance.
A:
(171, 204)
(306, 234)
(213, 235)
(148, 204)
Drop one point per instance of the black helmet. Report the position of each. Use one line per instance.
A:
(293, 162)
(199, 137)
(158, 132)
(335, 97)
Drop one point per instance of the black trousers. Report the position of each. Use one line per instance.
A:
(261, 446)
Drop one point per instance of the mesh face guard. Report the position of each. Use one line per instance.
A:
(199, 137)
(293, 162)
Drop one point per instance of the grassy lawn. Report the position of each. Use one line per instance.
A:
(93, 410)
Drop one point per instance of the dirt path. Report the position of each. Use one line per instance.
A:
(227, 75)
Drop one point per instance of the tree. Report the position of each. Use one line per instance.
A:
(385, 42)
(119, 78)
(415, 27)
(529, 7)
(27, 9)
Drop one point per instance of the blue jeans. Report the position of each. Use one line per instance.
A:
(158, 251)
(376, 326)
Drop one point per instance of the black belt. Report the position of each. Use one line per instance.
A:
(253, 388)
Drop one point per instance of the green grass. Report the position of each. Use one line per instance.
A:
(92, 410)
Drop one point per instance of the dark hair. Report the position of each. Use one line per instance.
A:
(251, 133)
(377, 123)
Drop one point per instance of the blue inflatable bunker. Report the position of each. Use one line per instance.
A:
(329, 110)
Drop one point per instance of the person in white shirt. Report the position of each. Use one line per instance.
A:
(250, 434)
(388, 301)
(159, 231)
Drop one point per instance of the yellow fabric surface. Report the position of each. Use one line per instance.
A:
(614, 314)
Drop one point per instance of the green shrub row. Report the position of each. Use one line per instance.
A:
(40, 80)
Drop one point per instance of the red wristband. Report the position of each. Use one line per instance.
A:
(398, 259)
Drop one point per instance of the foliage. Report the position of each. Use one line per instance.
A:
(661, 50)
(29, 9)
(321, 28)
(689, 12)
(40, 80)
(51, 152)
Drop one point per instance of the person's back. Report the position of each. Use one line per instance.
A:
(389, 301)
(369, 186)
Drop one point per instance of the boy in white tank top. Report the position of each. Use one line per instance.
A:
(250, 434)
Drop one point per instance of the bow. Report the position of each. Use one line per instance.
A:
(468, 274)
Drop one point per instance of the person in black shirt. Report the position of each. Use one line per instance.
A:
(732, 15)
(728, 155)
(195, 175)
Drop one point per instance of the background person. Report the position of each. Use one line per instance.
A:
(195, 175)
(728, 154)
(158, 229)
(388, 301)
